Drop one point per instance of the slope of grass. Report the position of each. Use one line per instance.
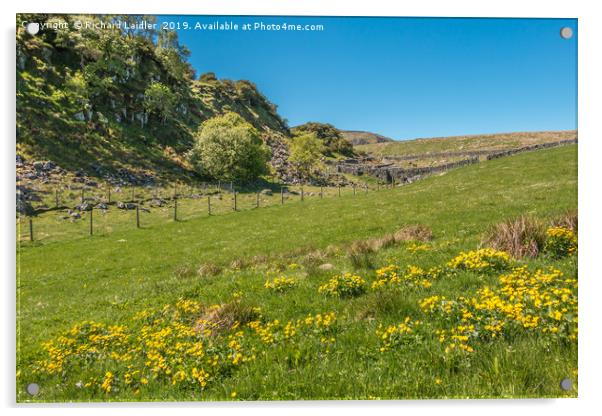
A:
(112, 277)
(465, 143)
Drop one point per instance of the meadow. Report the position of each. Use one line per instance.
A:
(334, 298)
(493, 142)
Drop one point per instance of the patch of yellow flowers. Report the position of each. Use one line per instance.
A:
(560, 242)
(391, 276)
(395, 336)
(168, 346)
(344, 285)
(482, 260)
(542, 301)
(280, 284)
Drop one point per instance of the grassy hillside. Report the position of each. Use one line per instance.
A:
(113, 277)
(119, 99)
(465, 143)
(364, 137)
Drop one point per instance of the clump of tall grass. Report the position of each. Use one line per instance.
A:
(413, 232)
(524, 236)
(208, 270)
(361, 255)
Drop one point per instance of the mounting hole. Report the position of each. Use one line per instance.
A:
(566, 384)
(32, 28)
(566, 33)
(33, 389)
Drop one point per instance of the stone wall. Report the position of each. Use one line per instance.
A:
(388, 172)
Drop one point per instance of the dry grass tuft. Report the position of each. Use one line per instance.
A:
(567, 220)
(382, 242)
(312, 261)
(208, 270)
(524, 236)
(413, 232)
(223, 317)
(361, 255)
(183, 271)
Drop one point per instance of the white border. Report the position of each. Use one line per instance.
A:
(590, 69)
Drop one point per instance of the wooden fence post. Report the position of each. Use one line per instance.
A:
(137, 215)
(82, 197)
(175, 209)
(209, 204)
(257, 201)
(339, 186)
(92, 221)
(321, 192)
(366, 187)
(281, 195)
(109, 195)
(353, 189)
(302, 194)
(234, 194)
(30, 229)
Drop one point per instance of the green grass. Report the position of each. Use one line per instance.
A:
(110, 277)
(465, 143)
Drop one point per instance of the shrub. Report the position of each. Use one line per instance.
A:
(230, 149)
(344, 286)
(482, 260)
(305, 153)
(280, 284)
(560, 242)
(521, 237)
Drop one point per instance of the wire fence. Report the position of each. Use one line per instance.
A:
(65, 213)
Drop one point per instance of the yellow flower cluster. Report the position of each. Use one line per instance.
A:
(482, 260)
(345, 285)
(169, 346)
(395, 336)
(280, 284)
(275, 331)
(560, 242)
(543, 301)
(413, 277)
(415, 247)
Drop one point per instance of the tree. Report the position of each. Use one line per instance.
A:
(329, 135)
(230, 149)
(160, 100)
(305, 152)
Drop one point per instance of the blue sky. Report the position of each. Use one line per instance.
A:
(402, 77)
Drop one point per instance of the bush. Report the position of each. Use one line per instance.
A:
(521, 237)
(344, 286)
(561, 242)
(305, 153)
(228, 148)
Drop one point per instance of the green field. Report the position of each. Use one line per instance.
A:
(126, 277)
(492, 142)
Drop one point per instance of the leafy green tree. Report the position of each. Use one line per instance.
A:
(229, 148)
(329, 135)
(305, 152)
(160, 100)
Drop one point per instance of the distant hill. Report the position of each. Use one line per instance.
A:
(493, 142)
(357, 137)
